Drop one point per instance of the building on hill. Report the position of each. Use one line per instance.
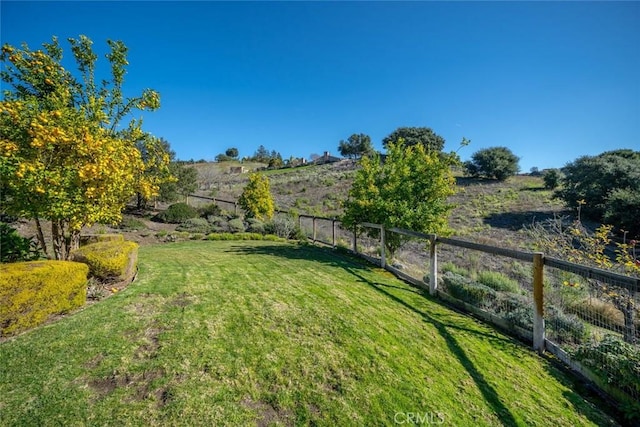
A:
(238, 169)
(326, 158)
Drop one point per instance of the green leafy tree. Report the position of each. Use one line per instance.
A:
(232, 152)
(494, 163)
(411, 136)
(64, 154)
(408, 190)
(356, 146)
(276, 162)
(156, 154)
(185, 183)
(223, 158)
(256, 198)
(551, 179)
(261, 155)
(606, 188)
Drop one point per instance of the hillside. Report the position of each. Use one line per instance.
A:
(486, 211)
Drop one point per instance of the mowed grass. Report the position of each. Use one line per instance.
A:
(262, 333)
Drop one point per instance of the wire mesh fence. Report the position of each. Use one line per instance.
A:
(225, 205)
(595, 320)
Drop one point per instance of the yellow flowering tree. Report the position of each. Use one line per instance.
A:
(64, 156)
(256, 199)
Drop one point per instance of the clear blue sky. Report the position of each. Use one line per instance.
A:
(551, 81)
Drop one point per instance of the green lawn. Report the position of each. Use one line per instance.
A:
(246, 333)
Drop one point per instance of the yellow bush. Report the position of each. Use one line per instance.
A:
(95, 238)
(30, 292)
(109, 260)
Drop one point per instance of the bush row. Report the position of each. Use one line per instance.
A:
(615, 361)
(32, 291)
(210, 219)
(109, 260)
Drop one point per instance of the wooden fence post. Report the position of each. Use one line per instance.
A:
(314, 229)
(538, 302)
(383, 251)
(333, 233)
(433, 259)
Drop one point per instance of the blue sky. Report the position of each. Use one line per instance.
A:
(552, 81)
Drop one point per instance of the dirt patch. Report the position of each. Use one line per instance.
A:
(163, 397)
(141, 384)
(105, 386)
(268, 414)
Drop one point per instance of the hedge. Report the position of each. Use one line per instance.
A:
(32, 291)
(110, 260)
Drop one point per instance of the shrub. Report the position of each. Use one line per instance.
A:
(236, 225)
(222, 236)
(131, 223)
(15, 248)
(566, 328)
(609, 183)
(255, 226)
(30, 292)
(551, 179)
(614, 360)
(452, 268)
(283, 226)
(209, 210)
(498, 281)
(111, 260)
(195, 225)
(516, 309)
(495, 162)
(177, 213)
(468, 291)
(244, 236)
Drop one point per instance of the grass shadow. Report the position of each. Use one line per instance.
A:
(517, 220)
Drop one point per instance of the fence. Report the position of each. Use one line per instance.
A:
(227, 205)
(586, 316)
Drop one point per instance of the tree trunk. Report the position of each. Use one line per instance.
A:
(57, 234)
(41, 241)
(73, 243)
